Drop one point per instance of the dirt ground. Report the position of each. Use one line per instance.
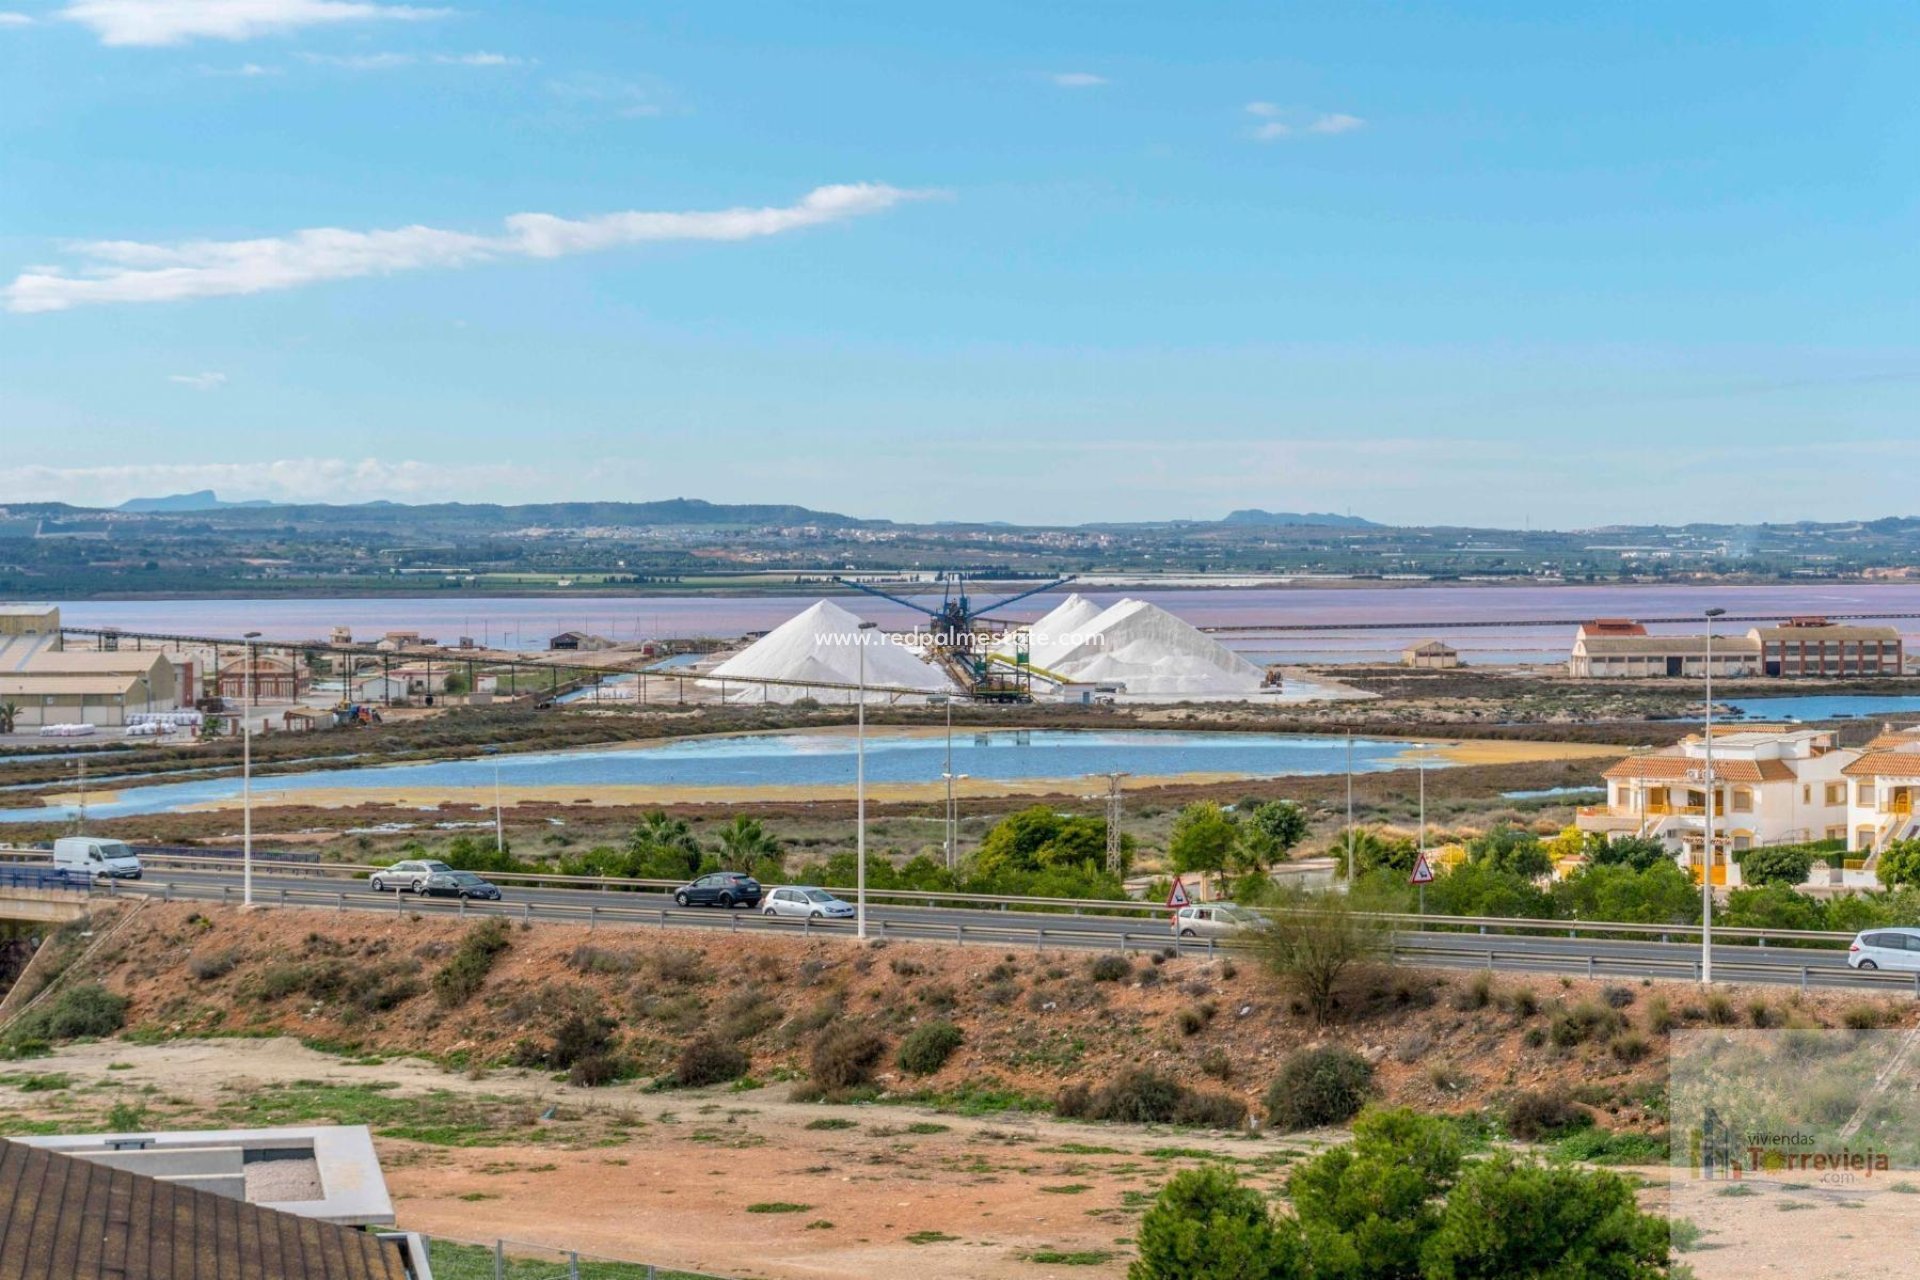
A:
(972, 1200)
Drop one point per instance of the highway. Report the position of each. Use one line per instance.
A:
(1650, 957)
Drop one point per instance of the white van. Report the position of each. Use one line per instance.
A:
(96, 858)
(1895, 948)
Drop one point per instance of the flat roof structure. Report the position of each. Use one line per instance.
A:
(64, 1217)
(339, 1179)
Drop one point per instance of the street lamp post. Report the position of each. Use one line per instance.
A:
(246, 781)
(951, 833)
(499, 821)
(860, 792)
(1706, 876)
(1349, 808)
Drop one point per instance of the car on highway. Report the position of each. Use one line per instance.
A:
(720, 889)
(408, 876)
(1212, 920)
(1885, 949)
(805, 903)
(460, 884)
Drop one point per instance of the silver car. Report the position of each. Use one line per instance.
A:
(409, 875)
(805, 903)
(1212, 920)
(1885, 949)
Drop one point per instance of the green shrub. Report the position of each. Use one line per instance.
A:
(471, 961)
(86, 1010)
(218, 964)
(1110, 969)
(926, 1048)
(1630, 1047)
(1477, 994)
(1205, 1226)
(1319, 1087)
(1863, 1017)
(1143, 1096)
(1661, 1018)
(845, 1055)
(1534, 1115)
(705, 1061)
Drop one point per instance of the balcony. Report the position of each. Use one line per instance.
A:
(1601, 818)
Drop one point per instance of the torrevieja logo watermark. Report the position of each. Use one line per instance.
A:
(1717, 1151)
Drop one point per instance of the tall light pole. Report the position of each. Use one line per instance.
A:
(1706, 876)
(499, 822)
(246, 781)
(952, 823)
(860, 793)
(1349, 808)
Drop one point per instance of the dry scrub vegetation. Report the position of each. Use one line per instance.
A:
(1147, 1038)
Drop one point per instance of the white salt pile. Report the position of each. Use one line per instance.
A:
(823, 644)
(1153, 653)
(1053, 634)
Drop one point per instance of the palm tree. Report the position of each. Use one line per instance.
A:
(9, 716)
(662, 847)
(744, 842)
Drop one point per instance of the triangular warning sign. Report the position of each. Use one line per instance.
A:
(1422, 870)
(1177, 896)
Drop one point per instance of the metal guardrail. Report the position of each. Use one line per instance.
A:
(593, 915)
(43, 878)
(1525, 926)
(1677, 969)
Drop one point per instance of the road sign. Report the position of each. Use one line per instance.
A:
(1422, 870)
(1177, 896)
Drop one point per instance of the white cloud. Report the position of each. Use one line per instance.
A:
(131, 271)
(199, 381)
(359, 61)
(283, 480)
(1278, 122)
(390, 61)
(593, 93)
(246, 71)
(164, 22)
(1078, 80)
(477, 60)
(15, 20)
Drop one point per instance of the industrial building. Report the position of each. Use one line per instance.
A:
(1430, 655)
(1817, 647)
(47, 684)
(1621, 648)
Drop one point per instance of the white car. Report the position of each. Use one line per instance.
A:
(1212, 920)
(409, 875)
(805, 903)
(1885, 949)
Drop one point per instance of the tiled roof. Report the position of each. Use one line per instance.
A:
(1895, 741)
(1835, 631)
(1664, 768)
(1663, 646)
(1888, 764)
(64, 1218)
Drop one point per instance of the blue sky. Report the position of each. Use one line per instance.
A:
(1490, 263)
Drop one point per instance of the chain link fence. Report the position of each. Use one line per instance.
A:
(519, 1260)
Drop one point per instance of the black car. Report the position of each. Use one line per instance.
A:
(721, 889)
(459, 884)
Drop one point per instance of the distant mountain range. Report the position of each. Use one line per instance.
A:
(670, 511)
(1254, 515)
(199, 500)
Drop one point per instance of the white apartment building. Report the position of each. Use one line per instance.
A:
(1773, 786)
(1885, 780)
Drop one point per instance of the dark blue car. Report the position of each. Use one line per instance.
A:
(721, 889)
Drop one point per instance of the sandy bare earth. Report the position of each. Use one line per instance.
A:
(972, 1201)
